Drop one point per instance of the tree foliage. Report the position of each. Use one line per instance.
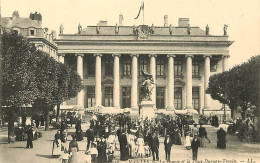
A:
(33, 77)
(237, 87)
(19, 82)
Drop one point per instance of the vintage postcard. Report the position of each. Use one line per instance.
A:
(138, 81)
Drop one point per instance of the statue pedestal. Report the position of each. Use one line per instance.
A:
(147, 110)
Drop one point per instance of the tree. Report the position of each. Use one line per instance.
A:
(56, 83)
(19, 82)
(47, 84)
(75, 84)
(237, 87)
(63, 77)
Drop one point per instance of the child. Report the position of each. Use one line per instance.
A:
(187, 142)
(65, 156)
(110, 154)
(140, 144)
(93, 153)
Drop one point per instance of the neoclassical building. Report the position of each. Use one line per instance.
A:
(109, 59)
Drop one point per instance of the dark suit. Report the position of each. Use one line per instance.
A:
(123, 147)
(195, 146)
(101, 147)
(90, 136)
(155, 148)
(167, 148)
(29, 132)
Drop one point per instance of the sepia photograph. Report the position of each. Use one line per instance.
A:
(129, 81)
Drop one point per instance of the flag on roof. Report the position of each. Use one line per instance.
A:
(141, 8)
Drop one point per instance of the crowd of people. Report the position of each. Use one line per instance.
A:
(137, 138)
(244, 129)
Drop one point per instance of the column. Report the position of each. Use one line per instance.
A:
(206, 81)
(80, 96)
(61, 57)
(116, 88)
(98, 91)
(134, 89)
(170, 82)
(225, 62)
(189, 82)
(153, 72)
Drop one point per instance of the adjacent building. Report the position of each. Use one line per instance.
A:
(109, 59)
(31, 27)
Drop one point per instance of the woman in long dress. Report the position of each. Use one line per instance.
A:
(178, 137)
(56, 146)
(73, 149)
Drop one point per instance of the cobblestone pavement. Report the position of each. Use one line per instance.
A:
(236, 152)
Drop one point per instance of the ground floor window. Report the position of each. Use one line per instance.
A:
(160, 96)
(126, 97)
(91, 101)
(108, 96)
(178, 98)
(196, 98)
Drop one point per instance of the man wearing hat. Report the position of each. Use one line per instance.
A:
(195, 146)
(167, 147)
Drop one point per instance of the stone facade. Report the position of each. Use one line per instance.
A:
(31, 28)
(109, 60)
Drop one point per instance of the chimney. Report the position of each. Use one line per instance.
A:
(53, 33)
(15, 15)
(102, 23)
(36, 16)
(121, 18)
(166, 20)
(184, 22)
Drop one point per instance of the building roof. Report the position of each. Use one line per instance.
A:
(9, 22)
(128, 30)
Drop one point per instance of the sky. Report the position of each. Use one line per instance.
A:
(241, 16)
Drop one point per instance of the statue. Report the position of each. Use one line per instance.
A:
(61, 29)
(225, 29)
(98, 29)
(170, 29)
(79, 29)
(207, 29)
(147, 86)
(116, 29)
(188, 29)
(152, 29)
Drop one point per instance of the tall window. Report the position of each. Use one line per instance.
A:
(126, 66)
(91, 65)
(160, 67)
(143, 64)
(108, 96)
(109, 64)
(178, 68)
(160, 96)
(196, 98)
(91, 101)
(178, 98)
(126, 96)
(195, 69)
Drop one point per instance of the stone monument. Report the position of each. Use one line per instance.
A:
(147, 105)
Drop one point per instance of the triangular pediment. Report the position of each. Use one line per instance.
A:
(179, 82)
(108, 80)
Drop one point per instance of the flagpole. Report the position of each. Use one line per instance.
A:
(143, 12)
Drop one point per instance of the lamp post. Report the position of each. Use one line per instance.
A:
(224, 116)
